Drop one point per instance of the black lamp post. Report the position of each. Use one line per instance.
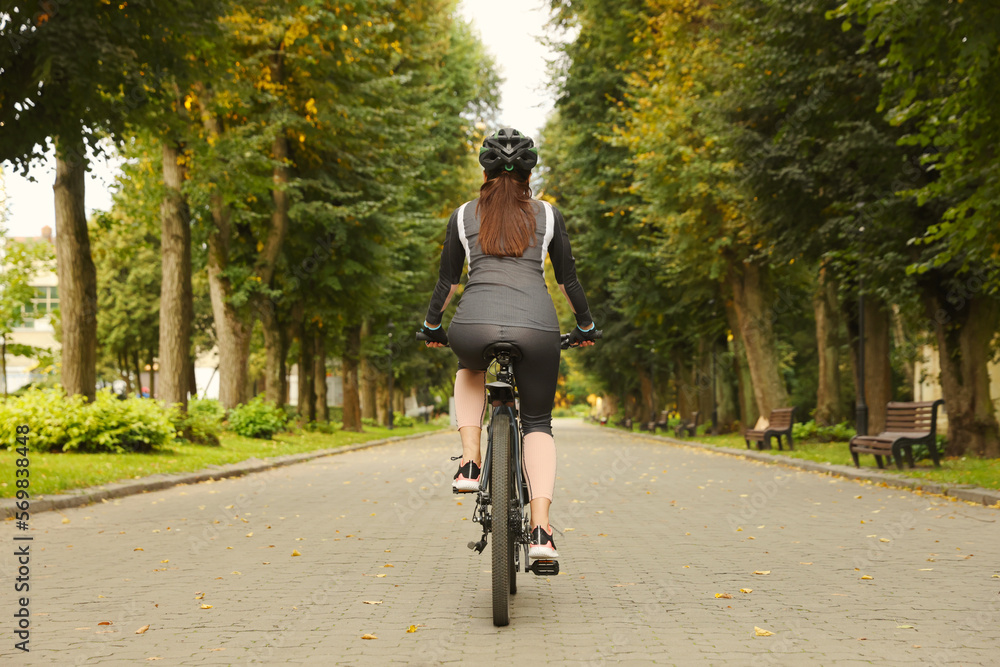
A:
(390, 327)
(861, 416)
(652, 382)
(714, 351)
(715, 404)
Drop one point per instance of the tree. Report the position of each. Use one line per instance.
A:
(75, 73)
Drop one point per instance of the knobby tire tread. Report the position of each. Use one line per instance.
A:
(500, 484)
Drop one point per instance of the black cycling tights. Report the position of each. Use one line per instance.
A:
(536, 373)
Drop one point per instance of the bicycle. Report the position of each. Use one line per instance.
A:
(503, 484)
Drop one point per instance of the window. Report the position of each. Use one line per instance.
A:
(45, 301)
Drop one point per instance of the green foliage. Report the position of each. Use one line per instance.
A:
(257, 419)
(203, 422)
(403, 421)
(61, 423)
(811, 432)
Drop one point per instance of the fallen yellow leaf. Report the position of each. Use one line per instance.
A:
(142, 629)
(166, 560)
(762, 572)
(372, 601)
(138, 549)
(379, 575)
(388, 565)
(746, 590)
(369, 637)
(883, 539)
(295, 552)
(412, 628)
(206, 606)
(105, 623)
(724, 595)
(865, 576)
(761, 632)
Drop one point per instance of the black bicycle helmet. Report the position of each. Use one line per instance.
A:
(508, 150)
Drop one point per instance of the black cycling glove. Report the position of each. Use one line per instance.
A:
(577, 335)
(436, 335)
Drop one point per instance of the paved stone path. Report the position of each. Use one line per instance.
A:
(651, 534)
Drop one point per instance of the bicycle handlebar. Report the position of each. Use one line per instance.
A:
(563, 339)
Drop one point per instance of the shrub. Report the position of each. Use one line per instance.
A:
(403, 421)
(811, 432)
(203, 422)
(67, 423)
(257, 419)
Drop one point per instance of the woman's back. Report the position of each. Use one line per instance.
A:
(506, 290)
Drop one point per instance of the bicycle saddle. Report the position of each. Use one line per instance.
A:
(496, 349)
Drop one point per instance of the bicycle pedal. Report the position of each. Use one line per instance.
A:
(544, 568)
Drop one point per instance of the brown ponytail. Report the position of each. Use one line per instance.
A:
(507, 221)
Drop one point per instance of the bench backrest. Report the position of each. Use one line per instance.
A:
(920, 416)
(781, 418)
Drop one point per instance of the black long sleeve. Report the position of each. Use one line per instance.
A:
(450, 273)
(564, 265)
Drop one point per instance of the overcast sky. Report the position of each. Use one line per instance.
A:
(511, 31)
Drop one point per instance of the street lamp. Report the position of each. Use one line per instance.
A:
(714, 350)
(861, 415)
(715, 406)
(390, 327)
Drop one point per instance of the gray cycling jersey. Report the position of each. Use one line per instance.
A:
(508, 290)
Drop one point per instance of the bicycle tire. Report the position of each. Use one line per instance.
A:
(502, 552)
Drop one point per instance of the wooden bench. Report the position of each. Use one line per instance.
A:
(691, 426)
(906, 425)
(779, 424)
(654, 424)
(625, 423)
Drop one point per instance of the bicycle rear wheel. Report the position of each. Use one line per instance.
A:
(503, 549)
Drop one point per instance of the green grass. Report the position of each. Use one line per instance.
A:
(954, 470)
(56, 472)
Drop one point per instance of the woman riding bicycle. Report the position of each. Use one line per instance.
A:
(505, 235)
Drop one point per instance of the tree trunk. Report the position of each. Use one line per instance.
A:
(233, 336)
(307, 397)
(755, 318)
(899, 339)
(76, 272)
(878, 367)
(382, 400)
(369, 380)
(275, 352)
(232, 326)
(748, 412)
(964, 328)
(192, 377)
(828, 406)
(152, 375)
(726, 390)
(138, 372)
(176, 301)
(319, 368)
(646, 392)
(351, 357)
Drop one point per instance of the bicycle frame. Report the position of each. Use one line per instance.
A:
(501, 396)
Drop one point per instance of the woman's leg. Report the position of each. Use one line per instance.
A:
(537, 374)
(470, 402)
(540, 468)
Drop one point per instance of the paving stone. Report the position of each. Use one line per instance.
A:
(655, 533)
